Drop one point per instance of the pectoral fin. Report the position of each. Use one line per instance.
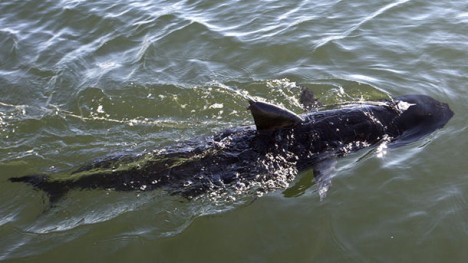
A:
(324, 171)
(301, 186)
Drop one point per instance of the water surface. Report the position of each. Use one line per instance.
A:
(80, 80)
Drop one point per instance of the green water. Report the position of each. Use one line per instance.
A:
(83, 79)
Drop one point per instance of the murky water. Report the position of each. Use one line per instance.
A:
(80, 80)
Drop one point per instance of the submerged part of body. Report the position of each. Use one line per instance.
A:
(264, 157)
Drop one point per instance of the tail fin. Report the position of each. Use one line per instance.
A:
(54, 189)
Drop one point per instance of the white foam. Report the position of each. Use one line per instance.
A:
(403, 105)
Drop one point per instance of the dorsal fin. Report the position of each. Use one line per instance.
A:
(308, 100)
(269, 117)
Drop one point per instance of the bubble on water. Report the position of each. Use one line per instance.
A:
(381, 150)
(100, 109)
(281, 83)
(216, 106)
